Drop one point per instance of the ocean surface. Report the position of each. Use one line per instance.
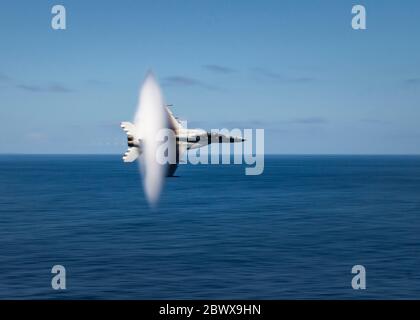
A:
(293, 232)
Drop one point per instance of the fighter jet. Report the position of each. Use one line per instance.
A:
(186, 139)
(152, 117)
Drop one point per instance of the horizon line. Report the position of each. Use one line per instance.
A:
(266, 154)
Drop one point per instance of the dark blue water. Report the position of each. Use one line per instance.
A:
(293, 232)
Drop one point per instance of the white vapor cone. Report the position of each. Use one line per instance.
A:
(150, 118)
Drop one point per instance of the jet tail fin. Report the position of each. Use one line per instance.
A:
(129, 128)
(131, 154)
(174, 122)
(133, 142)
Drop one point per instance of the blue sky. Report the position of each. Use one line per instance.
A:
(295, 68)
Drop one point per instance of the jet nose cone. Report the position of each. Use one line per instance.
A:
(237, 139)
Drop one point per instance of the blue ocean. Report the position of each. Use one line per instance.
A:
(294, 232)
